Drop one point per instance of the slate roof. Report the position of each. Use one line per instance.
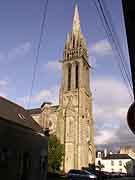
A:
(55, 107)
(117, 156)
(13, 112)
(44, 103)
(37, 111)
(34, 111)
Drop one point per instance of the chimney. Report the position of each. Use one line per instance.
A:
(99, 155)
(105, 152)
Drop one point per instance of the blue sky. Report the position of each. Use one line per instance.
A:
(19, 33)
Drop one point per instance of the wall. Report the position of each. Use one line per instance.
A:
(116, 167)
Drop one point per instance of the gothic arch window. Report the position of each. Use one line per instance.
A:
(73, 41)
(77, 75)
(69, 76)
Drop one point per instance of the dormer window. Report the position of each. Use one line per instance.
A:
(21, 116)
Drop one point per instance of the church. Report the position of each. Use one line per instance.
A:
(72, 121)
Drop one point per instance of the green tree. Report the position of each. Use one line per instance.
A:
(100, 166)
(55, 154)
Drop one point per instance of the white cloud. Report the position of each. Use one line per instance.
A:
(50, 95)
(3, 94)
(38, 98)
(110, 91)
(53, 66)
(2, 57)
(3, 83)
(41, 95)
(3, 88)
(105, 137)
(111, 103)
(101, 48)
(22, 50)
(92, 61)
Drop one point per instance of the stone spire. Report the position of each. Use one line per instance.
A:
(76, 20)
(75, 45)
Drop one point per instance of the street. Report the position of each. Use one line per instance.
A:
(124, 178)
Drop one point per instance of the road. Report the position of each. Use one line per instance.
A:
(64, 178)
(125, 178)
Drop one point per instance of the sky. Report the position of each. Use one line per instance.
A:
(19, 34)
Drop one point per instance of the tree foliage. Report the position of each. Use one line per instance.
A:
(100, 166)
(55, 154)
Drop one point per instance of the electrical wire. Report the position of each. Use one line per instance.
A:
(116, 41)
(110, 37)
(38, 50)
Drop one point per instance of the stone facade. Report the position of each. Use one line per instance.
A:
(72, 120)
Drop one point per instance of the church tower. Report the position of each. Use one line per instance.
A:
(75, 128)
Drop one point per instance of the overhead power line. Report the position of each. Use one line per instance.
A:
(114, 43)
(38, 50)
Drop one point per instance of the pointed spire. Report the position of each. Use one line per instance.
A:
(76, 20)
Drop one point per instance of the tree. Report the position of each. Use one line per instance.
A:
(55, 154)
(100, 166)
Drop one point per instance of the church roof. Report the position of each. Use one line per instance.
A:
(12, 112)
(55, 107)
(45, 103)
(37, 111)
(117, 156)
(34, 111)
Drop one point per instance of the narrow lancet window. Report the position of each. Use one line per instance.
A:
(69, 77)
(76, 76)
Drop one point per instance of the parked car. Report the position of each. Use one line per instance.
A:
(106, 175)
(80, 174)
(103, 175)
(115, 174)
(123, 174)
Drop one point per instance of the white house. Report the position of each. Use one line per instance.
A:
(116, 163)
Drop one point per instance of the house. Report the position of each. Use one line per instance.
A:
(23, 146)
(121, 163)
(128, 150)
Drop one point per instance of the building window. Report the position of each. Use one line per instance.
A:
(24, 166)
(3, 154)
(73, 41)
(43, 164)
(120, 163)
(112, 170)
(69, 77)
(76, 76)
(112, 162)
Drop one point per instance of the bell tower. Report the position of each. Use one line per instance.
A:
(76, 124)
